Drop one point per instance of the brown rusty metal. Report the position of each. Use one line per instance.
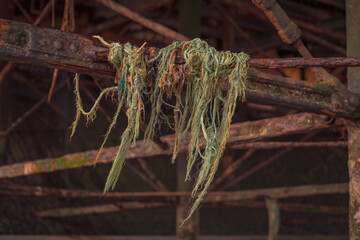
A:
(6, 69)
(354, 178)
(212, 197)
(353, 127)
(28, 44)
(143, 176)
(105, 208)
(44, 12)
(36, 106)
(239, 132)
(170, 203)
(243, 33)
(291, 207)
(120, 20)
(231, 169)
(272, 145)
(332, 62)
(23, 11)
(287, 29)
(151, 174)
(270, 89)
(263, 163)
(290, 34)
(156, 27)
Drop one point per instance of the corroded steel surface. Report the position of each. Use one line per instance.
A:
(52, 48)
(353, 127)
(287, 29)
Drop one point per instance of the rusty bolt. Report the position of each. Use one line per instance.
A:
(58, 45)
(74, 47)
(15, 39)
(44, 42)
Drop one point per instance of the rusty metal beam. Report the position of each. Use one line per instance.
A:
(168, 203)
(23, 117)
(104, 208)
(239, 132)
(152, 237)
(264, 163)
(212, 197)
(272, 145)
(24, 43)
(156, 27)
(290, 33)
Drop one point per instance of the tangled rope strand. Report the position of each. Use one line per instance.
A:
(90, 115)
(206, 111)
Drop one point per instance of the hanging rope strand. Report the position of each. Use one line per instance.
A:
(206, 111)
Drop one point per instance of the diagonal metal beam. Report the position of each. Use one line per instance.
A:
(239, 132)
(264, 163)
(156, 27)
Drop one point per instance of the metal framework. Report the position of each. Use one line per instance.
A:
(323, 100)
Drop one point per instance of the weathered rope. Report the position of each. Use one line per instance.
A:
(206, 109)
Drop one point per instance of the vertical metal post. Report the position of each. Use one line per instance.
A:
(190, 230)
(274, 218)
(353, 128)
(189, 25)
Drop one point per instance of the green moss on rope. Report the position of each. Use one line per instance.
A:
(206, 111)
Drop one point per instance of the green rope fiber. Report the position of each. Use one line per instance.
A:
(206, 111)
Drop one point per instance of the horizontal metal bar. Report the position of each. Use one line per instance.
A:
(25, 43)
(169, 203)
(212, 197)
(239, 132)
(157, 237)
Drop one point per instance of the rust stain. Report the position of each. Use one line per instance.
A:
(29, 168)
(4, 26)
(327, 112)
(357, 217)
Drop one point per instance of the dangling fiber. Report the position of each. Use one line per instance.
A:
(91, 115)
(205, 112)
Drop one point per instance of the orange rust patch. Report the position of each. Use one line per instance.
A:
(29, 168)
(327, 112)
(4, 26)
